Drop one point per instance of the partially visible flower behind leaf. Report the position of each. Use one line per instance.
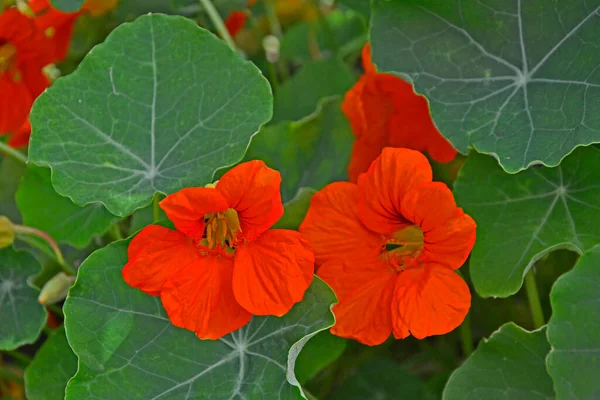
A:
(384, 111)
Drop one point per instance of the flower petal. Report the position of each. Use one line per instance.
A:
(188, 207)
(14, 108)
(367, 61)
(272, 273)
(333, 227)
(383, 187)
(427, 301)
(449, 233)
(365, 314)
(155, 255)
(252, 189)
(200, 299)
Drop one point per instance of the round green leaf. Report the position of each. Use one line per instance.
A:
(573, 362)
(508, 365)
(516, 79)
(67, 5)
(159, 106)
(522, 217)
(22, 316)
(54, 364)
(128, 348)
(66, 222)
(312, 152)
(320, 351)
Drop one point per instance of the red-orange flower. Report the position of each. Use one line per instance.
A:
(223, 264)
(235, 22)
(384, 111)
(23, 54)
(58, 25)
(388, 247)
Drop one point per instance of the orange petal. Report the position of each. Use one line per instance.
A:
(333, 227)
(252, 189)
(449, 233)
(383, 187)
(272, 273)
(21, 137)
(188, 207)
(365, 314)
(367, 60)
(14, 108)
(200, 298)
(235, 22)
(155, 255)
(427, 301)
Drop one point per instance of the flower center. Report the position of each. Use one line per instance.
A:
(8, 56)
(222, 229)
(403, 248)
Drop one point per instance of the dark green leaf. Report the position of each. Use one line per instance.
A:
(380, 379)
(312, 152)
(320, 351)
(508, 365)
(54, 364)
(44, 209)
(159, 106)
(522, 217)
(361, 6)
(295, 210)
(301, 95)
(128, 348)
(573, 330)
(10, 176)
(67, 5)
(516, 79)
(22, 318)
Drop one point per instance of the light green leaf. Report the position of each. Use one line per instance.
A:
(159, 106)
(21, 315)
(128, 348)
(516, 79)
(67, 5)
(300, 96)
(44, 209)
(295, 210)
(320, 351)
(381, 379)
(54, 364)
(508, 365)
(312, 152)
(573, 362)
(522, 217)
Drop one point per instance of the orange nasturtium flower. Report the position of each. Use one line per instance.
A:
(388, 246)
(384, 111)
(23, 55)
(222, 265)
(58, 25)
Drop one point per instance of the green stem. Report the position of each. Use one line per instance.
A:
(274, 77)
(534, 300)
(115, 232)
(4, 373)
(27, 230)
(466, 336)
(23, 359)
(272, 18)
(17, 155)
(155, 209)
(217, 21)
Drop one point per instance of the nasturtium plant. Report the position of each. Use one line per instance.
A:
(299, 199)
(572, 331)
(21, 315)
(128, 348)
(516, 79)
(524, 216)
(160, 98)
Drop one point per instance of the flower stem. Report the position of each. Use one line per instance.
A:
(155, 209)
(465, 336)
(216, 19)
(5, 373)
(272, 18)
(115, 232)
(23, 359)
(27, 230)
(16, 154)
(534, 300)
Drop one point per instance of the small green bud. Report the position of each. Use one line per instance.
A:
(7, 232)
(56, 288)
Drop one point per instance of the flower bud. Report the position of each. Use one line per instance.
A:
(56, 288)
(271, 45)
(7, 232)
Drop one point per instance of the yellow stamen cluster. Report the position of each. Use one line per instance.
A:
(404, 247)
(222, 228)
